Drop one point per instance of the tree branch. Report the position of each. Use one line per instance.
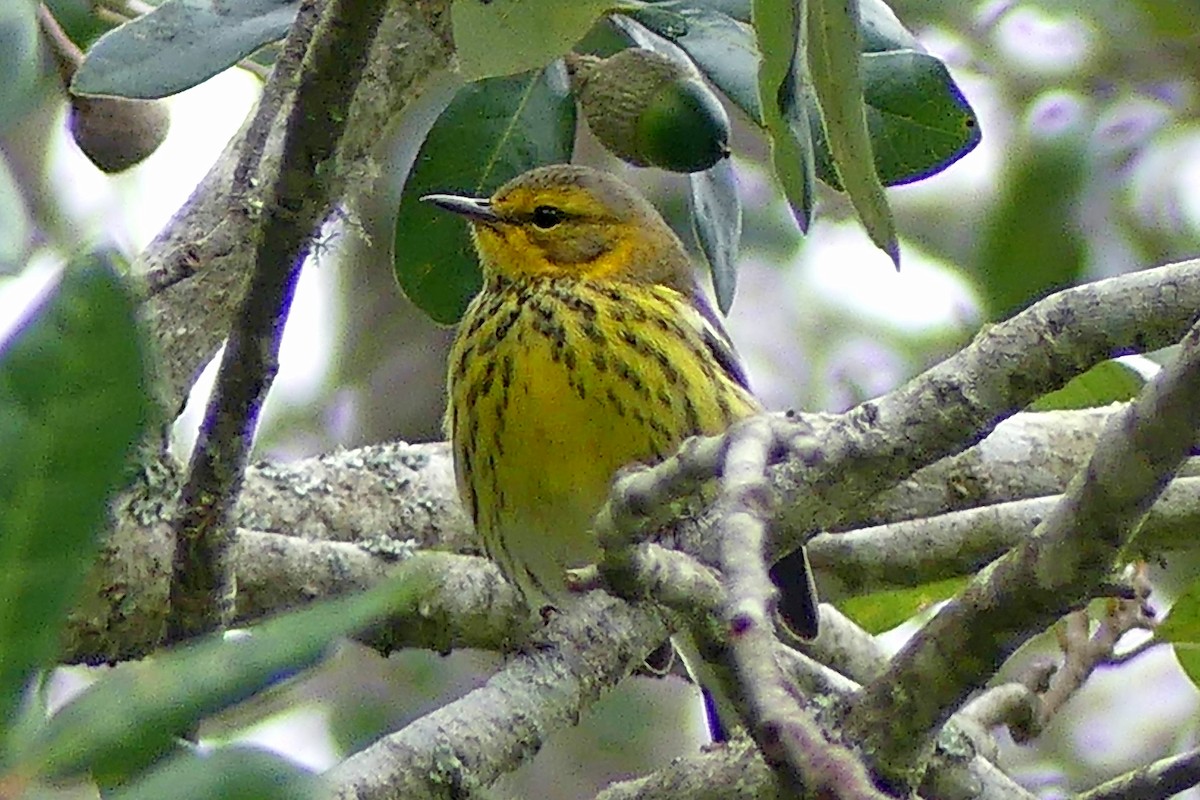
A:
(1158, 781)
(195, 270)
(472, 741)
(333, 41)
(920, 551)
(958, 402)
(898, 714)
(790, 739)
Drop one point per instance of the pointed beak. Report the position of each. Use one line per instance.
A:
(469, 207)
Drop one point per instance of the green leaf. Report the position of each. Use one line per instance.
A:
(1107, 382)
(503, 37)
(180, 44)
(492, 131)
(73, 406)
(130, 717)
(1031, 246)
(882, 611)
(1182, 629)
(19, 58)
(15, 224)
(716, 212)
(833, 67)
(918, 119)
(230, 773)
(780, 78)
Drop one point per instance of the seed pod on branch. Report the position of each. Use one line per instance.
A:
(650, 110)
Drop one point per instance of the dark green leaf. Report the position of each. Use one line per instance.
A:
(230, 773)
(919, 121)
(1031, 246)
(180, 44)
(1107, 382)
(130, 717)
(79, 20)
(716, 213)
(502, 37)
(492, 131)
(73, 405)
(833, 69)
(882, 611)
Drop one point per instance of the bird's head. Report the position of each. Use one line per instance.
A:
(571, 222)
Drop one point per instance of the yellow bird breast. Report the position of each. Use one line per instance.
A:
(553, 389)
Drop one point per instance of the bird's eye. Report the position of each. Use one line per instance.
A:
(546, 217)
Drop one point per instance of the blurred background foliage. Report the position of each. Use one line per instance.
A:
(1089, 166)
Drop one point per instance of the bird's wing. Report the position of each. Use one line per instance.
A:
(716, 339)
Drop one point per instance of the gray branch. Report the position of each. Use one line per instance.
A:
(1071, 552)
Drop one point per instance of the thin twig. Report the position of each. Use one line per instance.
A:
(1157, 781)
(790, 739)
(293, 209)
(1084, 651)
(469, 743)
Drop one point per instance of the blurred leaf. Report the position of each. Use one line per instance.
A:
(130, 717)
(780, 77)
(492, 131)
(79, 20)
(19, 58)
(503, 37)
(881, 611)
(1182, 629)
(1173, 18)
(1107, 382)
(14, 221)
(919, 121)
(716, 212)
(605, 38)
(230, 773)
(180, 44)
(73, 390)
(833, 68)
(1031, 245)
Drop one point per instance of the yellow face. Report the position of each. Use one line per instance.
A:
(554, 229)
(571, 222)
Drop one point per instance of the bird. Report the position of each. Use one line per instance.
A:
(590, 347)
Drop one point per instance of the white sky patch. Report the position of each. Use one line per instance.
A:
(130, 208)
(841, 264)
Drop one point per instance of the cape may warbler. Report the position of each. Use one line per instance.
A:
(589, 348)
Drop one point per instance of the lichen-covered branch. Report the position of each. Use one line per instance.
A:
(326, 52)
(467, 744)
(1058, 568)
